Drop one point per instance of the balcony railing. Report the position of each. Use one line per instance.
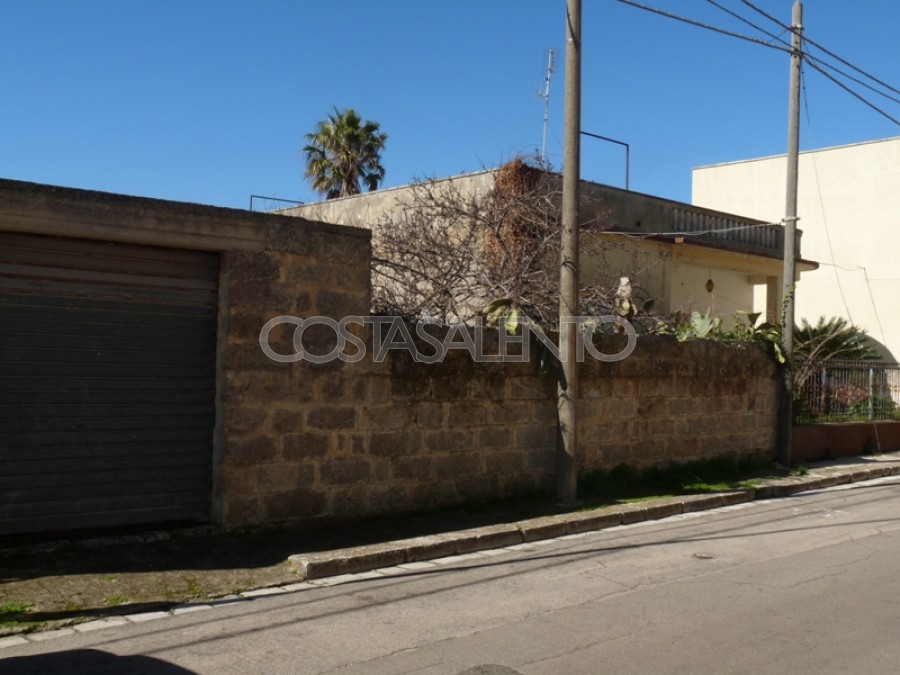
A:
(730, 231)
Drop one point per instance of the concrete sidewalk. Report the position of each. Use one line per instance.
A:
(357, 559)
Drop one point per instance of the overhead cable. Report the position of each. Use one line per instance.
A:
(854, 94)
(715, 29)
(816, 44)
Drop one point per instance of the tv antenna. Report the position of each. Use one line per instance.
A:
(546, 96)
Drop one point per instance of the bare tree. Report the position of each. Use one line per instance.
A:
(448, 250)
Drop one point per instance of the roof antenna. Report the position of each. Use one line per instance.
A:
(546, 96)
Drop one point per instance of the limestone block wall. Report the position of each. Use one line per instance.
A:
(309, 442)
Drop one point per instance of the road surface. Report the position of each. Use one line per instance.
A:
(807, 584)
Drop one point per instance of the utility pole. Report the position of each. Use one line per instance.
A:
(567, 391)
(790, 237)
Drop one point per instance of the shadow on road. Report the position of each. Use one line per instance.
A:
(92, 661)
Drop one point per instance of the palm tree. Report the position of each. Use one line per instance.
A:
(832, 339)
(343, 152)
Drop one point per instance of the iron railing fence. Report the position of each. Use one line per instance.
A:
(846, 391)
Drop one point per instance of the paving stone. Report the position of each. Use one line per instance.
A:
(40, 636)
(187, 609)
(147, 616)
(100, 623)
(259, 592)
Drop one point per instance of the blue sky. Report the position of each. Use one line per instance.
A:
(208, 100)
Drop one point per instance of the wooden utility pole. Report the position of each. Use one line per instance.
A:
(790, 236)
(567, 391)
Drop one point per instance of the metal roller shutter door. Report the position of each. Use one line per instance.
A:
(107, 384)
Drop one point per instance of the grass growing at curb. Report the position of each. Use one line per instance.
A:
(15, 615)
(624, 483)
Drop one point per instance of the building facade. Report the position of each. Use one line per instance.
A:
(849, 210)
(677, 248)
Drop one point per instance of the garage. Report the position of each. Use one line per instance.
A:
(107, 383)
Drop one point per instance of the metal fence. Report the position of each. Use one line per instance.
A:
(846, 391)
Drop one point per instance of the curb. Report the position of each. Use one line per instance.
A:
(358, 559)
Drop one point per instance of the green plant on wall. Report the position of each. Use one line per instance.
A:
(503, 311)
(767, 333)
(694, 326)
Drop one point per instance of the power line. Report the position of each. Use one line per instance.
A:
(715, 29)
(816, 44)
(768, 16)
(810, 57)
(814, 62)
(854, 94)
(750, 23)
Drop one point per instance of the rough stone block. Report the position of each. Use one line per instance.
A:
(449, 388)
(339, 304)
(430, 415)
(456, 465)
(307, 272)
(387, 417)
(477, 486)
(244, 420)
(296, 447)
(528, 388)
(466, 414)
(458, 440)
(394, 443)
(488, 388)
(345, 471)
(331, 418)
(509, 412)
(412, 388)
(411, 468)
(535, 436)
(436, 492)
(285, 477)
(301, 503)
(290, 420)
(505, 462)
(249, 450)
(351, 444)
(241, 511)
(494, 437)
(387, 498)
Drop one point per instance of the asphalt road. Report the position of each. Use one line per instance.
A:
(807, 584)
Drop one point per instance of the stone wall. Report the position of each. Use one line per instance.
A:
(343, 441)
(305, 442)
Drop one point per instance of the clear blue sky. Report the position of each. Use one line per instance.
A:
(208, 100)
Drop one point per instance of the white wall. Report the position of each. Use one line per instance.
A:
(849, 209)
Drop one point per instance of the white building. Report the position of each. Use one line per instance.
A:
(849, 210)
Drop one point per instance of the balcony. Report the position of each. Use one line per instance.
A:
(633, 212)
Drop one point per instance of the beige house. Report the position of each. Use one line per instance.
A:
(681, 247)
(849, 209)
